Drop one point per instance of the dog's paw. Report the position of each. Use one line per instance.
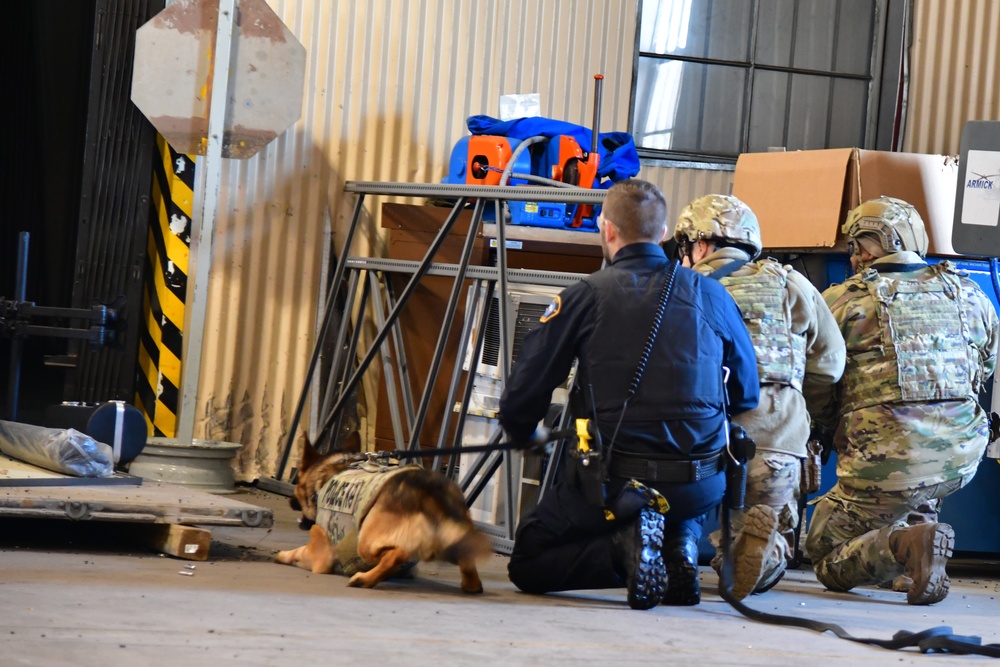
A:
(471, 583)
(359, 581)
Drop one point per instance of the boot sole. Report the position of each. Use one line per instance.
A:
(683, 588)
(930, 580)
(649, 582)
(760, 530)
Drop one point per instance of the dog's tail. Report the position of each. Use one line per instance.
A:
(470, 545)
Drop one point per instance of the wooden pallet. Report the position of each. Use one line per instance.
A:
(166, 514)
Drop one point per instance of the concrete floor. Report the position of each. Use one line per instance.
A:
(77, 593)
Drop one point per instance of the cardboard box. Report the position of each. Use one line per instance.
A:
(802, 197)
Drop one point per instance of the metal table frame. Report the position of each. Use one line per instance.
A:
(364, 283)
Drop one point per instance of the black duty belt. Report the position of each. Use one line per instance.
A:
(661, 470)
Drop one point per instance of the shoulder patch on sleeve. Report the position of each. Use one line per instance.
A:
(551, 311)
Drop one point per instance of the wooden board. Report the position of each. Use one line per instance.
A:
(13, 469)
(186, 542)
(14, 472)
(153, 502)
(161, 513)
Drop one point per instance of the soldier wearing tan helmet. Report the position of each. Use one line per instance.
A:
(800, 355)
(921, 342)
(881, 227)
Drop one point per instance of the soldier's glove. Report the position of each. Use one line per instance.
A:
(824, 436)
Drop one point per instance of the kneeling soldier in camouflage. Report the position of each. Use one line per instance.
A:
(921, 341)
(800, 355)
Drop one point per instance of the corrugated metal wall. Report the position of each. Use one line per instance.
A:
(389, 85)
(680, 186)
(955, 72)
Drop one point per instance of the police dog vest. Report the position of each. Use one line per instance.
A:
(343, 503)
(925, 352)
(762, 298)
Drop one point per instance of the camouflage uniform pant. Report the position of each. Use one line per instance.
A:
(773, 479)
(848, 538)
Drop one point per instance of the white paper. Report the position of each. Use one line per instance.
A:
(981, 198)
(526, 105)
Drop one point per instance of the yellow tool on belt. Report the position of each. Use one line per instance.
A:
(583, 435)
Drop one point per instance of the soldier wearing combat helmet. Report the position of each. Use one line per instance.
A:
(921, 342)
(800, 355)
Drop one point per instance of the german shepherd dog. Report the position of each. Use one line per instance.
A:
(416, 515)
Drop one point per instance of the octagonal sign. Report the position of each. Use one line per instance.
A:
(172, 76)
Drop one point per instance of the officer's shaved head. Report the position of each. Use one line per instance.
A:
(638, 209)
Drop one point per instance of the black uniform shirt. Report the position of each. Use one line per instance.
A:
(547, 354)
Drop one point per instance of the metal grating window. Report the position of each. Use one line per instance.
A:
(716, 78)
(491, 339)
(528, 315)
(526, 318)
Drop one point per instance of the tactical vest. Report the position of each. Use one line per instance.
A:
(682, 378)
(925, 353)
(343, 503)
(763, 300)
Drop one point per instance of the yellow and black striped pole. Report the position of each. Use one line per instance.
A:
(165, 286)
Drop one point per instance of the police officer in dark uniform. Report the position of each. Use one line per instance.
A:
(667, 360)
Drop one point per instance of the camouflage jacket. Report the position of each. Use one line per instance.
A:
(921, 342)
(780, 422)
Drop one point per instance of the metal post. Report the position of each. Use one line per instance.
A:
(378, 307)
(594, 137)
(16, 344)
(209, 172)
(470, 378)
(472, 303)
(449, 316)
(405, 385)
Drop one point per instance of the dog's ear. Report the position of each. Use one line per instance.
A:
(352, 443)
(309, 455)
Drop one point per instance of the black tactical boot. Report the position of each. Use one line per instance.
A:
(638, 549)
(681, 555)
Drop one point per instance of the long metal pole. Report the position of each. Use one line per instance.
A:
(449, 317)
(17, 345)
(209, 173)
(470, 377)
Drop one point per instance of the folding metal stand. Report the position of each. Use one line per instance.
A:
(367, 282)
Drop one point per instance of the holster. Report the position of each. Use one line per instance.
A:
(742, 448)
(812, 468)
(586, 471)
(736, 484)
(587, 468)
